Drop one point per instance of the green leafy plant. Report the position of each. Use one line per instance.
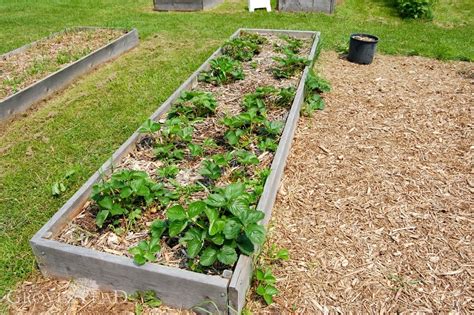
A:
(176, 130)
(266, 284)
(168, 152)
(293, 45)
(267, 144)
(145, 251)
(287, 66)
(313, 101)
(240, 49)
(223, 70)
(194, 104)
(210, 169)
(59, 187)
(246, 158)
(168, 171)
(149, 126)
(126, 191)
(195, 149)
(316, 84)
(285, 96)
(415, 9)
(142, 298)
(253, 37)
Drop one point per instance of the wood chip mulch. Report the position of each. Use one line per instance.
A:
(376, 203)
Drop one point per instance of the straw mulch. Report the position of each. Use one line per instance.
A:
(376, 203)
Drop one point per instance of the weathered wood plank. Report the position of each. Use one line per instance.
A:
(177, 287)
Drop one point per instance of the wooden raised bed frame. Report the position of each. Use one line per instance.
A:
(174, 286)
(55, 81)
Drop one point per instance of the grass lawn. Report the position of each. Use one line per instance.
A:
(82, 126)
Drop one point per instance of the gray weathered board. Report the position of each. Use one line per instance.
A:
(175, 287)
(39, 90)
(185, 5)
(326, 6)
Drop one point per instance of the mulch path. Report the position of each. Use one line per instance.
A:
(376, 204)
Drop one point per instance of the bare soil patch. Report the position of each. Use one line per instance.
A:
(376, 203)
(47, 56)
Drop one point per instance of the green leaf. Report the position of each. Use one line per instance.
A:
(135, 251)
(234, 191)
(212, 214)
(215, 200)
(106, 203)
(260, 290)
(256, 233)
(176, 213)
(217, 239)
(239, 207)
(227, 255)
(283, 254)
(232, 228)
(117, 210)
(149, 256)
(271, 290)
(176, 227)
(268, 299)
(208, 256)
(101, 217)
(251, 216)
(126, 192)
(260, 274)
(139, 259)
(157, 228)
(196, 208)
(216, 226)
(245, 245)
(194, 241)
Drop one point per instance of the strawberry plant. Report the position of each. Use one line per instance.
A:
(246, 158)
(149, 126)
(253, 38)
(177, 130)
(241, 48)
(145, 251)
(314, 86)
(293, 45)
(124, 192)
(168, 152)
(223, 70)
(194, 104)
(195, 149)
(210, 169)
(266, 285)
(287, 66)
(168, 171)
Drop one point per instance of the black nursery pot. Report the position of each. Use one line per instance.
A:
(362, 48)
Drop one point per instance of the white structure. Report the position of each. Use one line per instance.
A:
(259, 4)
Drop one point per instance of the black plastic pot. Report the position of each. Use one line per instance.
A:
(362, 48)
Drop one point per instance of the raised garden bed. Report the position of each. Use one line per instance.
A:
(185, 5)
(327, 6)
(219, 153)
(32, 72)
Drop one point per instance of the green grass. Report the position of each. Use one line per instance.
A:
(81, 127)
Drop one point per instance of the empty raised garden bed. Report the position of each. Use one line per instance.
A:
(209, 155)
(32, 72)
